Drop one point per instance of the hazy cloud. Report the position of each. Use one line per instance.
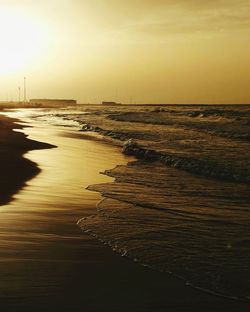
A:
(160, 18)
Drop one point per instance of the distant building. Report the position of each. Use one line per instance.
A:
(109, 103)
(52, 102)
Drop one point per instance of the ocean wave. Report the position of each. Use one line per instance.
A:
(216, 147)
(197, 166)
(222, 122)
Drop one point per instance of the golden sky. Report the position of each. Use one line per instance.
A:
(143, 51)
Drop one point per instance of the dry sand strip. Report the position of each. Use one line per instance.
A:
(15, 169)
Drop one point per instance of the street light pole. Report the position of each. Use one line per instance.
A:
(24, 90)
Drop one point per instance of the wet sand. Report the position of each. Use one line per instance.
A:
(48, 264)
(15, 169)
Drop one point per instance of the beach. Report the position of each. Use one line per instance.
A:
(48, 263)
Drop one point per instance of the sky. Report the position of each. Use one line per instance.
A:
(133, 51)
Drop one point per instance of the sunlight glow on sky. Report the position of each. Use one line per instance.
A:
(21, 40)
(143, 51)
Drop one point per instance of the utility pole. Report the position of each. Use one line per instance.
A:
(19, 94)
(24, 90)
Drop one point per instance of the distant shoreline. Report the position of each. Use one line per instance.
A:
(17, 105)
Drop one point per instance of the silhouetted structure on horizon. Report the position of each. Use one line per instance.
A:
(53, 102)
(110, 103)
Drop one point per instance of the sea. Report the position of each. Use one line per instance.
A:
(182, 206)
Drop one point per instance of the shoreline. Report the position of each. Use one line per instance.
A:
(15, 169)
(103, 280)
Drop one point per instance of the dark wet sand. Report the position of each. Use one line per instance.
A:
(48, 264)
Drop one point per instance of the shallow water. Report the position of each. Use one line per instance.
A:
(170, 220)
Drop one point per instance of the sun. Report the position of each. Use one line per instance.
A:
(21, 40)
